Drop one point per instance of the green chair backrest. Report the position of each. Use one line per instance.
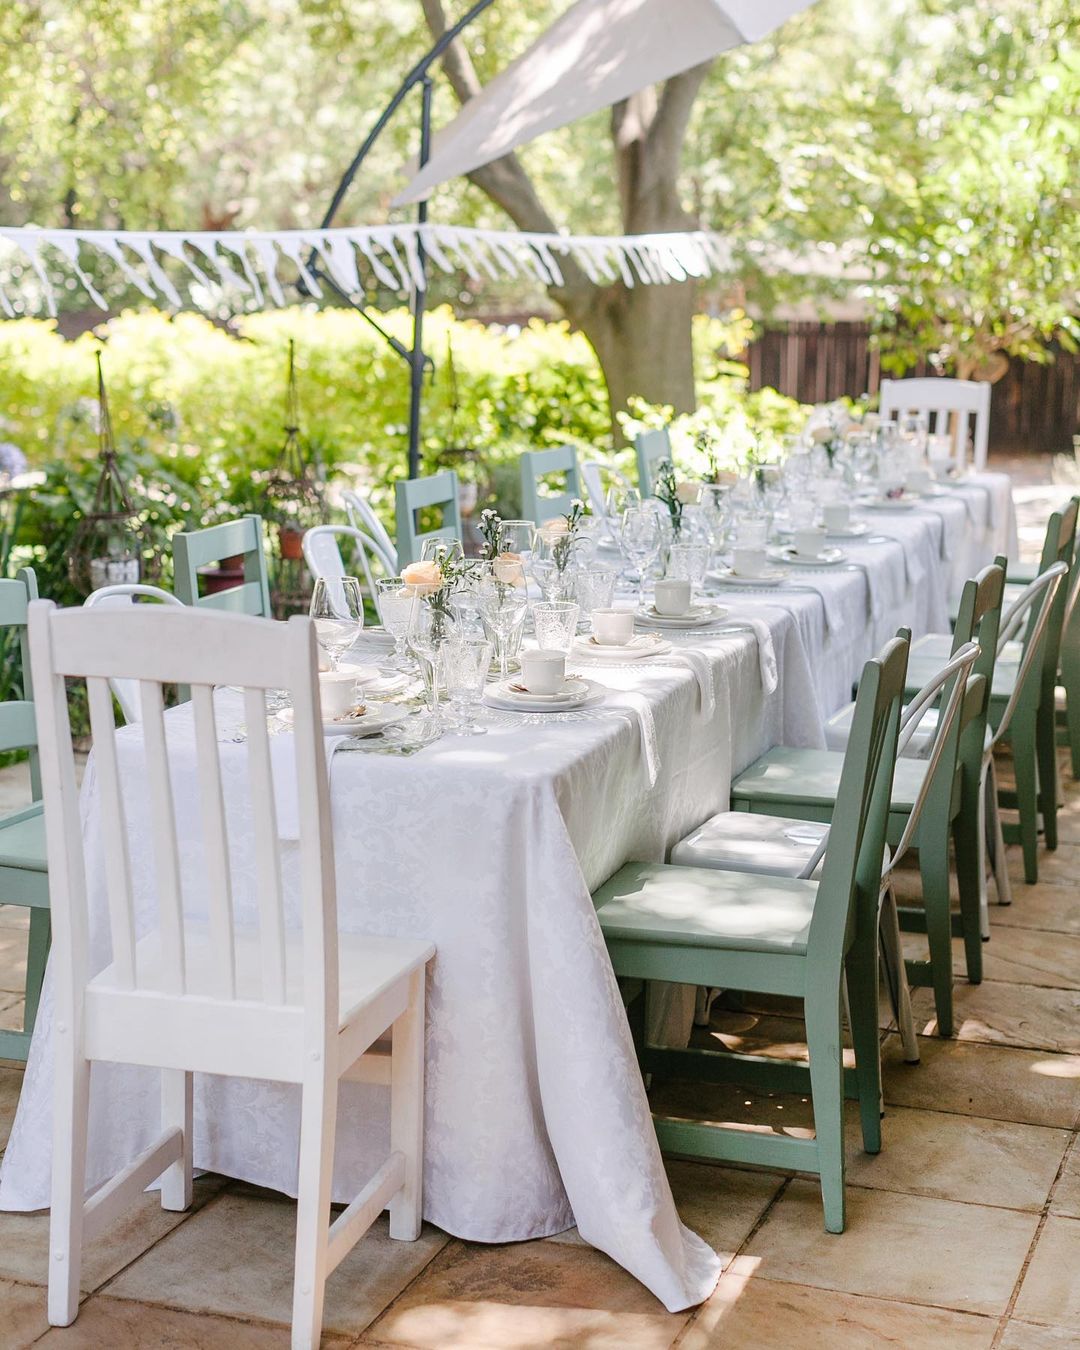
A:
(1063, 548)
(851, 873)
(18, 726)
(1038, 599)
(536, 465)
(193, 549)
(979, 620)
(652, 448)
(416, 494)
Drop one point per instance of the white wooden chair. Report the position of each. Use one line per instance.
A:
(362, 517)
(322, 553)
(123, 596)
(943, 401)
(271, 1002)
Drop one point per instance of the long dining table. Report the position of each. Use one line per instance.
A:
(536, 1116)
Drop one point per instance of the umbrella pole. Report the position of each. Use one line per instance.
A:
(417, 360)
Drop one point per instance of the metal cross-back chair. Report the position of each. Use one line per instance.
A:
(212, 983)
(362, 516)
(322, 553)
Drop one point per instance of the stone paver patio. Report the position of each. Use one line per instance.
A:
(963, 1233)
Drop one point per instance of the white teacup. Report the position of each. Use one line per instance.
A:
(809, 543)
(748, 560)
(836, 515)
(613, 627)
(337, 693)
(542, 671)
(918, 480)
(672, 596)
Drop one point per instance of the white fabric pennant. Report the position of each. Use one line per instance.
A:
(248, 261)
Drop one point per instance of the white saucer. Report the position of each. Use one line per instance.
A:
(856, 530)
(361, 674)
(582, 693)
(727, 577)
(698, 617)
(376, 718)
(904, 503)
(640, 648)
(828, 557)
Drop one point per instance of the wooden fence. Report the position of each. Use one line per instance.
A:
(1034, 408)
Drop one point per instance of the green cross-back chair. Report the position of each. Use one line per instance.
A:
(419, 494)
(24, 878)
(536, 466)
(1067, 719)
(804, 784)
(196, 549)
(776, 935)
(651, 448)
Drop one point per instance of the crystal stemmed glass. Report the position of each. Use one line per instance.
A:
(394, 599)
(337, 607)
(438, 548)
(431, 627)
(517, 537)
(465, 671)
(640, 540)
(503, 602)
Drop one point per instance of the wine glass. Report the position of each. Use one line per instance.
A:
(337, 607)
(503, 604)
(517, 537)
(437, 547)
(465, 670)
(394, 599)
(431, 627)
(639, 539)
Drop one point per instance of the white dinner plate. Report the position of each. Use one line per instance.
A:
(726, 577)
(640, 648)
(586, 693)
(828, 557)
(376, 717)
(699, 616)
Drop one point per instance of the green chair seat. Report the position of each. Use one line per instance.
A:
(811, 778)
(22, 841)
(696, 906)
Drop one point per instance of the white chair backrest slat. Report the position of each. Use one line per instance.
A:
(114, 830)
(202, 649)
(943, 401)
(267, 859)
(215, 842)
(163, 828)
(362, 517)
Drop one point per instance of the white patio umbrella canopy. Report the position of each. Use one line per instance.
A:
(597, 53)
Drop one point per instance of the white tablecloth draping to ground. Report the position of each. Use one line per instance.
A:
(536, 1116)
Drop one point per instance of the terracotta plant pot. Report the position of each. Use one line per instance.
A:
(290, 543)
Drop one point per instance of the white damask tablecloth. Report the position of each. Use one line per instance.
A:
(536, 1116)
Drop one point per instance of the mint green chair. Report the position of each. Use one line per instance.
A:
(804, 784)
(538, 502)
(196, 549)
(412, 495)
(651, 448)
(24, 877)
(777, 935)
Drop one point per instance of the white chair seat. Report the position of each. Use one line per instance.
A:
(741, 841)
(367, 967)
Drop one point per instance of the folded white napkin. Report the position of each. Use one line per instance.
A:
(702, 667)
(637, 705)
(286, 788)
(770, 678)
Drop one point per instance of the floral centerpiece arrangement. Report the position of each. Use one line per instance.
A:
(434, 582)
(675, 495)
(560, 537)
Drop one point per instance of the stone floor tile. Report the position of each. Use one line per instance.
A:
(1050, 1293)
(23, 1316)
(1008, 1014)
(1016, 956)
(997, 1082)
(10, 1087)
(12, 960)
(522, 1296)
(721, 1204)
(1066, 1197)
(1046, 905)
(764, 1314)
(952, 1157)
(733, 1104)
(905, 1247)
(24, 1238)
(1059, 866)
(1027, 1336)
(14, 787)
(236, 1259)
(11, 1012)
(114, 1322)
(14, 916)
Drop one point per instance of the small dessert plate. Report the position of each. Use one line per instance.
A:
(698, 616)
(640, 648)
(373, 719)
(727, 576)
(855, 530)
(828, 557)
(576, 693)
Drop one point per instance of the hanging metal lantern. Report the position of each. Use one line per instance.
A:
(106, 549)
(293, 488)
